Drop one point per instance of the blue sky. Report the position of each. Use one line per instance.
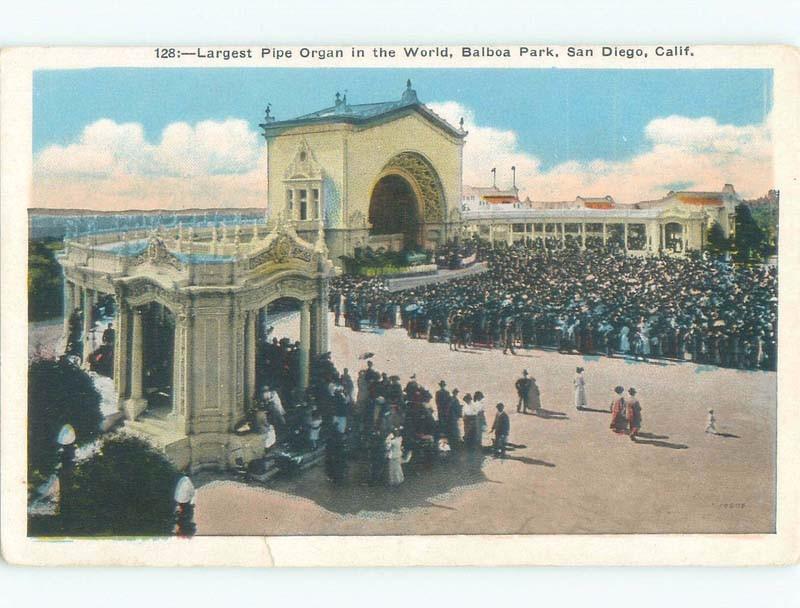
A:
(170, 138)
(558, 115)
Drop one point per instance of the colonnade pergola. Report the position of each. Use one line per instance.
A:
(215, 291)
(671, 230)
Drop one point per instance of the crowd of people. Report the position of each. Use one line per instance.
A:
(373, 419)
(599, 301)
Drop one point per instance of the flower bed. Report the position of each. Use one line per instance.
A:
(391, 270)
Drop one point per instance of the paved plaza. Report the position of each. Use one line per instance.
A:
(568, 472)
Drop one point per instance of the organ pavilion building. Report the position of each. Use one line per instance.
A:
(385, 174)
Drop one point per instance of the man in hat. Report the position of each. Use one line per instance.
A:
(347, 383)
(454, 422)
(501, 428)
(523, 386)
(394, 392)
(341, 409)
(371, 375)
(411, 387)
(443, 405)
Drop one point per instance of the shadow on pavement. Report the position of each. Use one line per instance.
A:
(528, 460)
(661, 444)
(651, 436)
(596, 411)
(355, 494)
(728, 435)
(551, 415)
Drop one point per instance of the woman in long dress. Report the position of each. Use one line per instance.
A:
(534, 396)
(619, 422)
(624, 343)
(580, 389)
(394, 454)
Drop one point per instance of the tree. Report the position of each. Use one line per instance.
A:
(749, 238)
(45, 287)
(718, 243)
(58, 393)
(124, 489)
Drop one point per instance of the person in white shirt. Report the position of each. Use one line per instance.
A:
(711, 424)
(580, 389)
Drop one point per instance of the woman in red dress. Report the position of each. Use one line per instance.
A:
(619, 423)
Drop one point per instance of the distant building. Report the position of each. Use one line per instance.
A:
(675, 223)
(482, 197)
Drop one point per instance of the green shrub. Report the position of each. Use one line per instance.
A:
(45, 285)
(126, 489)
(58, 393)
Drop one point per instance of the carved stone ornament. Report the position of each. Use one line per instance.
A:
(427, 181)
(358, 220)
(304, 165)
(281, 250)
(157, 254)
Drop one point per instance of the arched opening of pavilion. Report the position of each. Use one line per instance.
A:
(158, 344)
(394, 210)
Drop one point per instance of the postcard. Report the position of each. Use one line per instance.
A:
(399, 305)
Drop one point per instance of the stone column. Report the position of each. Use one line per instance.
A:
(322, 329)
(122, 323)
(262, 323)
(605, 234)
(662, 236)
(305, 343)
(251, 318)
(313, 329)
(87, 323)
(625, 235)
(136, 403)
(319, 320)
(67, 309)
(178, 381)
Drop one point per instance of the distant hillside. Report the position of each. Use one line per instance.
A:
(191, 211)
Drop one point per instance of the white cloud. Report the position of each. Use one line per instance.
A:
(107, 148)
(699, 152)
(113, 166)
(222, 164)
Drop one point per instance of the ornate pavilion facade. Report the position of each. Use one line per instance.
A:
(194, 302)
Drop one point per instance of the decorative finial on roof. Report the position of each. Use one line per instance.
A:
(409, 95)
(338, 97)
(268, 117)
(461, 123)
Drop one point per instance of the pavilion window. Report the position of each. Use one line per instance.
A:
(315, 203)
(303, 204)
